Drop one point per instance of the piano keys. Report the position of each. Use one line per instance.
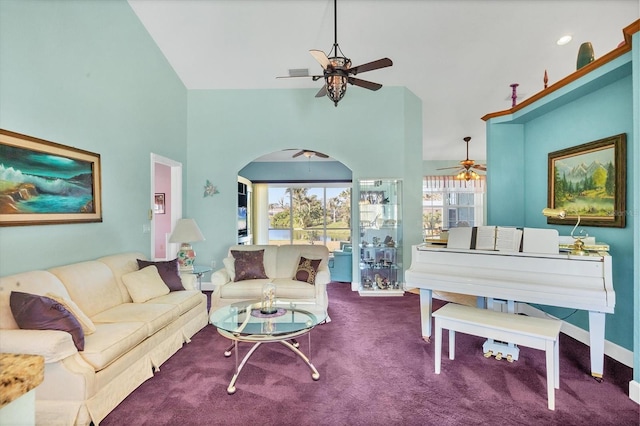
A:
(563, 280)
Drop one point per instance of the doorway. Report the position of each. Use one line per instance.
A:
(166, 202)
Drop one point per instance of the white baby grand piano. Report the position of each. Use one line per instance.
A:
(577, 282)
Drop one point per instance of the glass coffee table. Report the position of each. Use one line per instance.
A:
(244, 322)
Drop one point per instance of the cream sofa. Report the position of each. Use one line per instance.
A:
(280, 265)
(130, 339)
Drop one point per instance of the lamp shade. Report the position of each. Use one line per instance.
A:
(186, 231)
(554, 213)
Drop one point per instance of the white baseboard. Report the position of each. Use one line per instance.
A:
(634, 391)
(612, 350)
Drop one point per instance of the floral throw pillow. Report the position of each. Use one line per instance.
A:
(307, 270)
(249, 265)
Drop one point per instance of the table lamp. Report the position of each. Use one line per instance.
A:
(185, 233)
(578, 245)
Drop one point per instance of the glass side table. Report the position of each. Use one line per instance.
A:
(199, 271)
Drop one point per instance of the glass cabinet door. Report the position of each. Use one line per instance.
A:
(380, 206)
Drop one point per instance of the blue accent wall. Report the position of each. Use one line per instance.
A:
(87, 74)
(599, 104)
(633, 174)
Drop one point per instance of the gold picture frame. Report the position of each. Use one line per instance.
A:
(43, 182)
(590, 181)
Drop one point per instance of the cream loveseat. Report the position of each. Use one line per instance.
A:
(123, 340)
(280, 266)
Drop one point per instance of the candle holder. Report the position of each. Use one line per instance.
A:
(268, 299)
(268, 326)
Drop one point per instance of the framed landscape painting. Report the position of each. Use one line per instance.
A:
(43, 182)
(589, 181)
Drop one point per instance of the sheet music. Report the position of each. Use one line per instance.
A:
(508, 239)
(486, 238)
(498, 238)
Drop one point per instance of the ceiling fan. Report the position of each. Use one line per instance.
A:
(309, 153)
(337, 70)
(466, 171)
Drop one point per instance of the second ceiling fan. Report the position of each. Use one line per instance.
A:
(309, 153)
(337, 69)
(467, 165)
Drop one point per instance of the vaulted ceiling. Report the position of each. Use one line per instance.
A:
(458, 56)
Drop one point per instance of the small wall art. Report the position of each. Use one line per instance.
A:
(209, 189)
(159, 203)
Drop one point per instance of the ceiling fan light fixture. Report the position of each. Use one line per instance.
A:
(336, 88)
(467, 175)
(336, 78)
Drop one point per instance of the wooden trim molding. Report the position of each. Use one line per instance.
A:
(628, 32)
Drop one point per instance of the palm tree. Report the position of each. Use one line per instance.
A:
(343, 201)
(332, 206)
(306, 209)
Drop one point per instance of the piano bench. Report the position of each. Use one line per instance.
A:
(537, 333)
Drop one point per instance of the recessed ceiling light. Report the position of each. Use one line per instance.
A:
(563, 40)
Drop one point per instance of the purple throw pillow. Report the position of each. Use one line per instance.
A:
(249, 265)
(168, 271)
(33, 312)
(307, 270)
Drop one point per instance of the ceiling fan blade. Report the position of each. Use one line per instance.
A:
(370, 66)
(321, 155)
(322, 92)
(321, 57)
(449, 168)
(297, 154)
(364, 83)
(313, 77)
(480, 167)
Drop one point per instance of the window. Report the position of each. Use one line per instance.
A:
(304, 214)
(450, 203)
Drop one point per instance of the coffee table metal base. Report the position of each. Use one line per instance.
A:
(231, 389)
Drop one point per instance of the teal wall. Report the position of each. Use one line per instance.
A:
(87, 74)
(591, 108)
(372, 134)
(634, 176)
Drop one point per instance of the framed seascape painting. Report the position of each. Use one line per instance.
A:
(589, 181)
(43, 182)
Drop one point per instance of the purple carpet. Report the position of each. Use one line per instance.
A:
(375, 369)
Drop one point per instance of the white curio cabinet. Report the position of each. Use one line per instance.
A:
(380, 260)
